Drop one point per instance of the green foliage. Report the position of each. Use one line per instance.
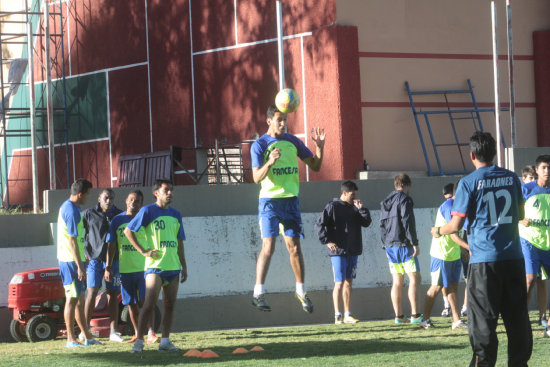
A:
(373, 343)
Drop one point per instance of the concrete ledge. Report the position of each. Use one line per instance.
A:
(388, 175)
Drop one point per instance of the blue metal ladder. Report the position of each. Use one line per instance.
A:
(473, 114)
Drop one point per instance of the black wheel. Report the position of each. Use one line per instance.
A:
(127, 321)
(41, 328)
(17, 331)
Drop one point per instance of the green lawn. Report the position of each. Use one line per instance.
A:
(373, 343)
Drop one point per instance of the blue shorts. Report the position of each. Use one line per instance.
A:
(280, 215)
(167, 276)
(445, 272)
(343, 267)
(69, 277)
(132, 287)
(96, 271)
(537, 261)
(401, 260)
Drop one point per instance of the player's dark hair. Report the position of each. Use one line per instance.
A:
(483, 146)
(108, 190)
(545, 158)
(81, 185)
(271, 110)
(348, 186)
(159, 182)
(137, 193)
(401, 180)
(448, 189)
(529, 170)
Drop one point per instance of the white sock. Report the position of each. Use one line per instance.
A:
(258, 289)
(164, 340)
(337, 314)
(464, 307)
(300, 289)
(346, 314)
(446, 301)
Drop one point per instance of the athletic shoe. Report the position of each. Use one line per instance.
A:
(89, 342)
(168, 347)
(543, 322)
(426, 324)
(134, 338)
(138, 346)
(338, 320)
(401, 320)
(152, 338)
(350, 320)
(306, 302)
(73, 345)
(464, 312)
(260, 303)
(416, 320)
(116, 337)
(459, 325)
(446, 312)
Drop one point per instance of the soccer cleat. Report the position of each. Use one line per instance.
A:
(338, 320)
(416, 319)
(464, 312)
(350, 320)
(306, 302)
(152, 338)
(167, 347)
(543, 322)
(134, 338)
(138, 346)
(73, 345)
(401, 320)
(459, 325)
(260, 303)
(446, 312)
(89, 342)
(116, 337)
(426, 324)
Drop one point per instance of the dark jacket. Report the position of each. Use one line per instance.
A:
(341, 222)
(96, 226)
(397, 224)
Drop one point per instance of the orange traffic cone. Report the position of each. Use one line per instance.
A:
(257, 348)
(207, 353)
(192, 353)
(240, 350)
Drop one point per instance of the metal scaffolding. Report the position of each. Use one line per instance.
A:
(31, 29)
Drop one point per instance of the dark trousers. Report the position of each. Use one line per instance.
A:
(498, 288)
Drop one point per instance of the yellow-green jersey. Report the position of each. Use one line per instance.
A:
(130, 260)
(163, 229)
(444, 248)
(69, 224)
(282, 180)
(537, 209)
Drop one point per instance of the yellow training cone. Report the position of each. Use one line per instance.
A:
(240, 350)
(257, 348)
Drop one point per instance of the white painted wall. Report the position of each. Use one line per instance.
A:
(221, 257)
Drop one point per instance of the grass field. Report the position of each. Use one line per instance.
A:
(373, 343)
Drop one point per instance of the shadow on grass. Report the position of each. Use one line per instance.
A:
(273, 351)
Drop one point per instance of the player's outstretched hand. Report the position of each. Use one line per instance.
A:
(318, 136)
